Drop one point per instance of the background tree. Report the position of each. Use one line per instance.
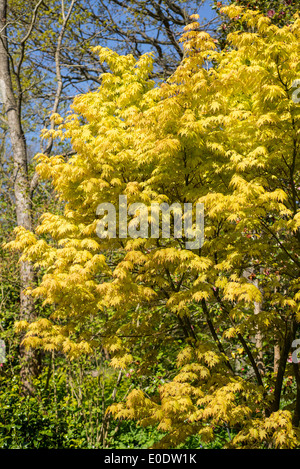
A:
(280, 13)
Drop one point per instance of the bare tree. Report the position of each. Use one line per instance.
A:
(23, 203)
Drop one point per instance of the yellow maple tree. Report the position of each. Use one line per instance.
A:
(223, 131)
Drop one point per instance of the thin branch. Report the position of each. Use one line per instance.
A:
(48, 149)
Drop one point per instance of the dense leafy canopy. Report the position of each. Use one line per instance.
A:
(223, 131)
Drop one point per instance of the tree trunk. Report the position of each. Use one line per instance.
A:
(29, 362)
(276, 357)
(258, 335)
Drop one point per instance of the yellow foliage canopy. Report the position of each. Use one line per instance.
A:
(222, 131)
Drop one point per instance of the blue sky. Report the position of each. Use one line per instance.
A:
(206, 10)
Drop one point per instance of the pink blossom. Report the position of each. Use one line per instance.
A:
(271, 13)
